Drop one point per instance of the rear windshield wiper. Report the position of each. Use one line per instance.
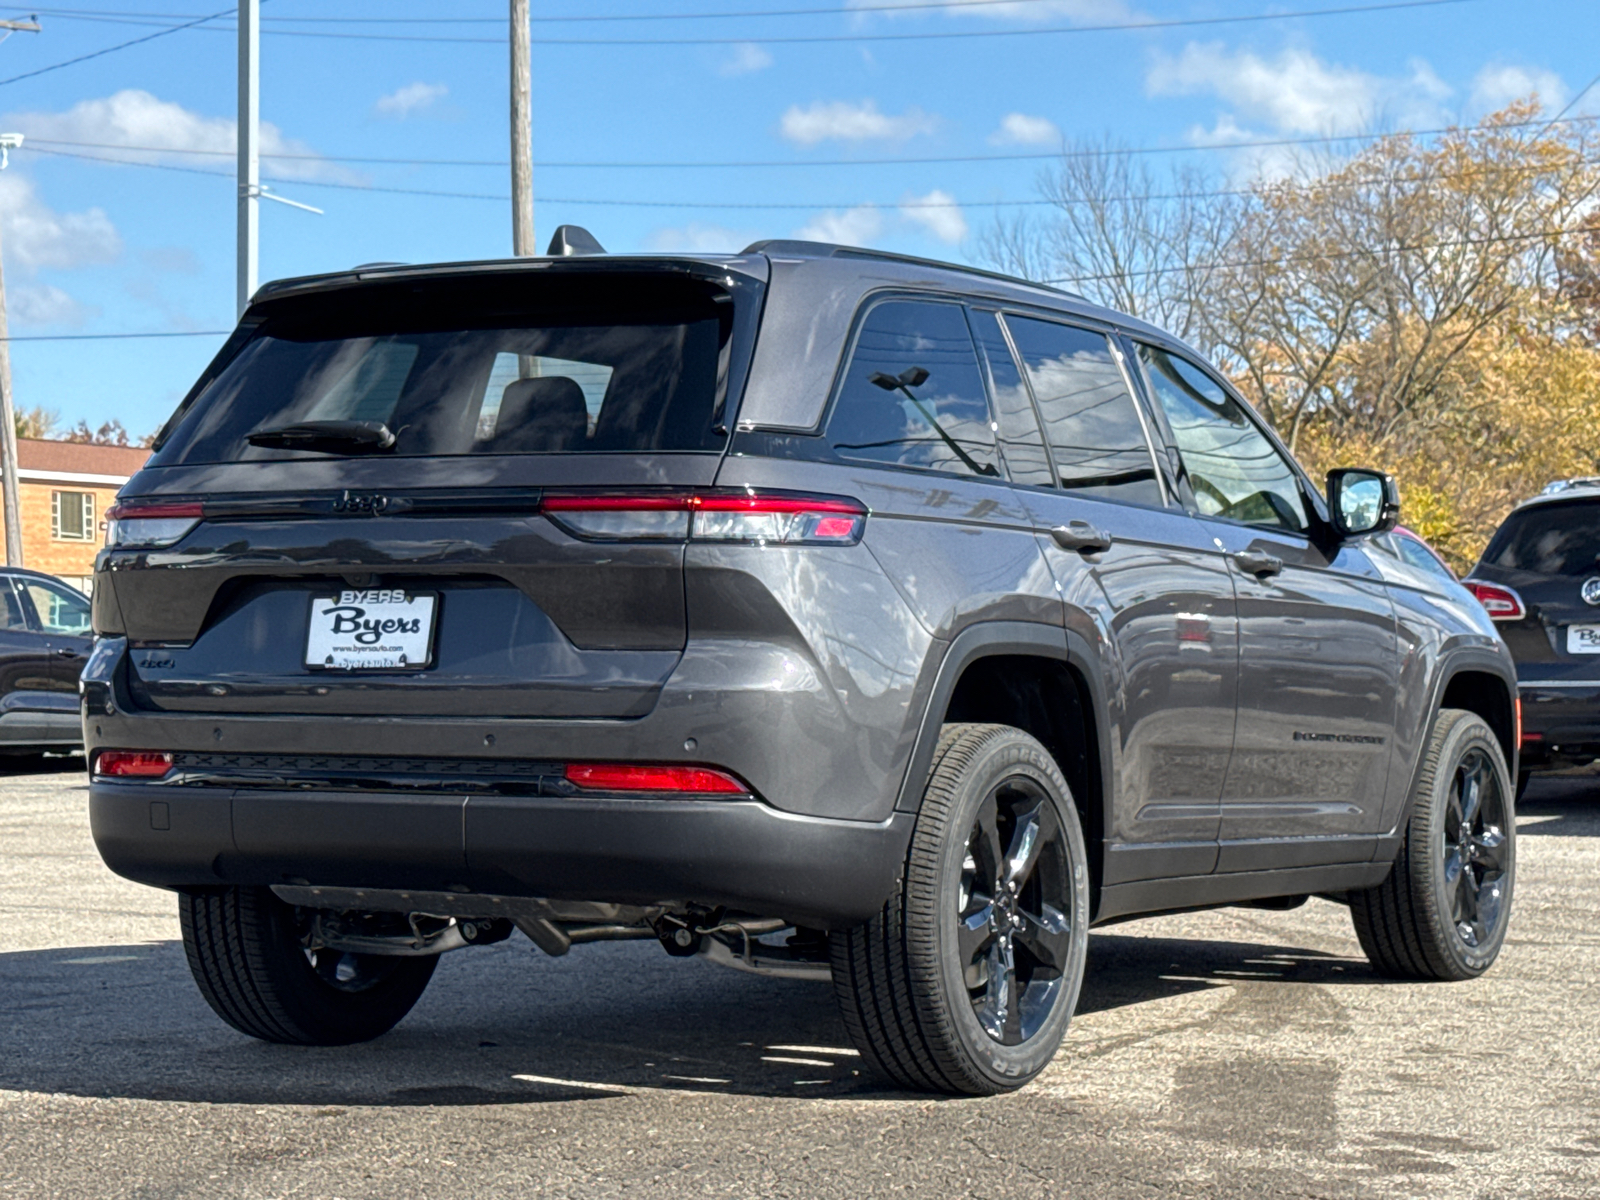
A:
(327, 437)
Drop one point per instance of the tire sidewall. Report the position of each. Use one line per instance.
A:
(1010, 753)
(1465, 735)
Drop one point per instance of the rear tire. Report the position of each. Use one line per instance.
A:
(966, 981)
(1442, 912)
(244, 951)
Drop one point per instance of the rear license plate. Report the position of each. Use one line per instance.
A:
(375, 629)
(1583, 639)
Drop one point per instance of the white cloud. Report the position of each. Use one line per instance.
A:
(37, 236)
(700, 239)
(1295, 91)
(746, 59)
(1078, 12)
(1497, 85)
(413, 98)
(853, 227)
(1019, 129)
(136, 118)
(842, 121)
(44, 304)
(938, 213)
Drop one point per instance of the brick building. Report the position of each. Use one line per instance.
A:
(65, 489)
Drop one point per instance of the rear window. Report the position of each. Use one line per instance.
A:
(612, 364)
(1552, 539)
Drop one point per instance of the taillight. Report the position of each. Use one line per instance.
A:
(631, 777)
(132, 523)
(146, 764)
(748, 517)
(1499, 602)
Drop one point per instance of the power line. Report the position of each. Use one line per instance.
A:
(1030, 156)
(733, 205)
(111, 49)
(1403, 247)
(106, 337)
(824, 38)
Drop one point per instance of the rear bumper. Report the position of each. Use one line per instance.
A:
(741, 854)
(1560, 723)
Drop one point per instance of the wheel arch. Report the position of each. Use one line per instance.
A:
(1479, 681)
(1041, 679)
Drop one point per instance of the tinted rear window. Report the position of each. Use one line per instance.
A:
(1552, 539)
(613, 364)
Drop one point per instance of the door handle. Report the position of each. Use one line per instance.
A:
(67, 652)
(1082, 537)
(1258, 563)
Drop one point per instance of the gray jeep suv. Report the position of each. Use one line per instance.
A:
(822, 612)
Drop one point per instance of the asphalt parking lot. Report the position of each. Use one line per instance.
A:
(1234, 1053)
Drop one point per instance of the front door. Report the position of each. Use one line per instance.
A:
(1318, 649)
(63, 617)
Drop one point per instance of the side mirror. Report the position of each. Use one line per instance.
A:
(1362, 501)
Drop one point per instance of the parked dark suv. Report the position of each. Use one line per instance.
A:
(819, 611)
(1539, 578)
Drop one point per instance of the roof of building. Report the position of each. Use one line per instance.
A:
(79, 458)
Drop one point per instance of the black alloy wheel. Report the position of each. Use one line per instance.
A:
(967, 980)
(1013, 910)
(1444, 909)
(1475, 849)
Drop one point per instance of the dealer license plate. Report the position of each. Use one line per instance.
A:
(375, 629)
(1583, 639)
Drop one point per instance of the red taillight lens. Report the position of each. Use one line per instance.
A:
(150, 525)
(758, 518)
(629, 777)
(1499, 602)
(148, 764)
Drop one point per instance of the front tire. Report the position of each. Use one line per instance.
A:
(1443, 911)
(245, 953)
(966, 981)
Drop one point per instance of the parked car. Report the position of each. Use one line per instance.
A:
(1411, 548)
(896, 645)
(1539, 578)
(44, 642)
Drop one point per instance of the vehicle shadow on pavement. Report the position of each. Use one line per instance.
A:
(19, 765)
(505, 1025)
(1560, 806)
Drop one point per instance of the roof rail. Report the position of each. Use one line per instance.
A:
(799, 249)
(1567, 485)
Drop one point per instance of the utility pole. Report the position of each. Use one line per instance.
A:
(9, 493)
(249, 147)
(522, 242)
(8, 408)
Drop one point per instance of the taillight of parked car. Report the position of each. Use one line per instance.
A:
(633, 777)
(1501, 603)
(132, 524)
(142, 764)
(745, 517)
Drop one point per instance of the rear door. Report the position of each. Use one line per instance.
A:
(501, 460)
(1160, 591)
(1318, 648)
(26, 667)
(62, 615)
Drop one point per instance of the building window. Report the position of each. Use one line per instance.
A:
(72, 516)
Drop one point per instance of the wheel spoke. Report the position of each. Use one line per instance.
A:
(1036, 828)
(1047, 936)
(1489, 849)
(986, 844)
(995, 1013)
(1471, 795)
(974, 933)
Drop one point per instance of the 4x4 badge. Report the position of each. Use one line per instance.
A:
(1591, 590)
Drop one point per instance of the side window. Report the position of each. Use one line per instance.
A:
(913, 395)
(1090, 421)
(60, 610)
(11, 614)
(1234, 471)
(1027, 461)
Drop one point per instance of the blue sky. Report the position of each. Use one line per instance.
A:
(93, 247)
